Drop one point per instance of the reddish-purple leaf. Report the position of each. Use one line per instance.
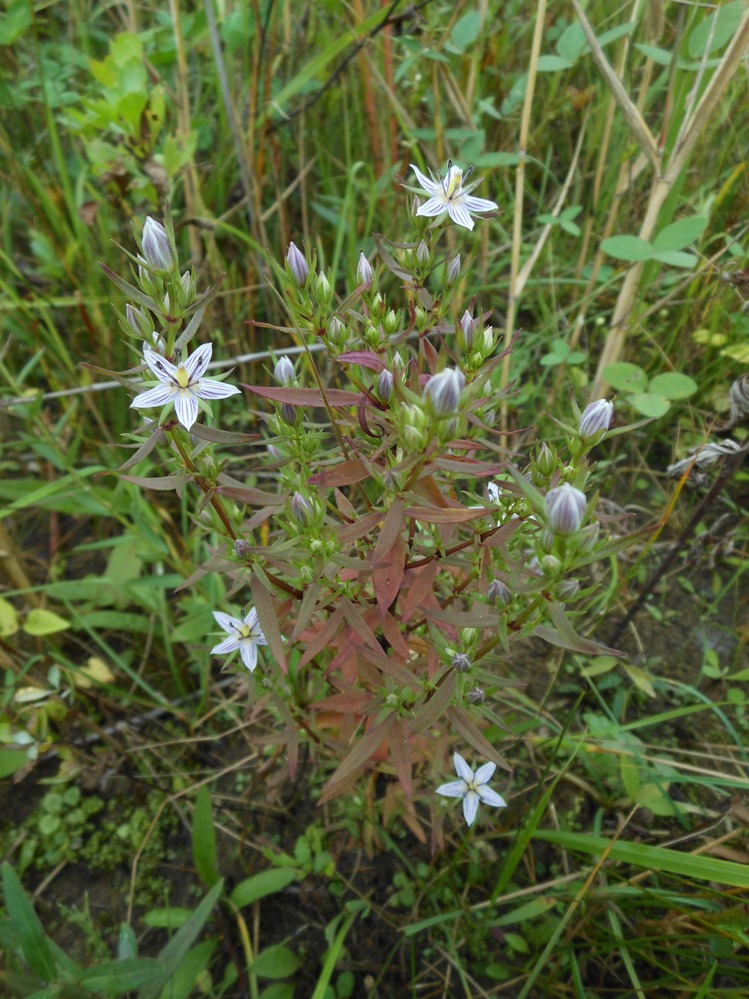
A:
(445, 515)
(161, 483)
(268, 620)
(305, 396)
(364, 358)
(388, 572)
(343, 474)
(400, 754)
(356, 760)
(473, 736)
(437, 704)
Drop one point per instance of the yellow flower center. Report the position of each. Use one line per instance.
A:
(455, 182)
(183, 379)
(245, 632)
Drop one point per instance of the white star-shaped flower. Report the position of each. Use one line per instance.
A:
(450, 195)
(472, 788)
(243, 635)
(181, 384)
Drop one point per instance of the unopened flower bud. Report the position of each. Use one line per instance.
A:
(550, 565)
(284, 371)
(187, 283)
(242, 548)
(467, 330)
(156, 247)
(499, 593)
(461, 662)
(156, 342)
(301, 510)
(565, 509)
(453, 270)
(323, 290)
(568, 589)
(384, 385)
(337, 334)
(288, 413)
(297, 264)
(546, 460)
(595, 420)
(138, 321)
(390, 322)
(364, 271)
(422, 253)
(443, 391)
(476, 696)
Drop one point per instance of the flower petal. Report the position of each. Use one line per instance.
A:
(230, 624)
(209, 388)
(159, 396)
(455, 789)
(484, 773)
(248, 652)
(479, 204)
(164, 370)
(429, 185)
(435, 206)
(470, 807)
(490, 797)
(197, 362)
(462, 769)
(186, 407)
(459, 215)
(224, 648)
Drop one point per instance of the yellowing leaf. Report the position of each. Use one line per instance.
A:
(44, 622)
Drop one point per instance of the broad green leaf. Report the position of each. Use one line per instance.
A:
(672, 385)
(11, 761)
(34, 943)
(204, 839)
(625, 377)
(680, 234)
(655, 797)
(278, 990)
(553, 64)
(676, 258)
(572, 43)
(650, 404)
(725, 20)
(260, 885)
(276, 961)
(630, 248)
(15, 22)
(126, 47)
(194, 964)
(127, 943)
(167, 919)
(466, 31)
(43, 622)
(497, 159)
(8, 618)
(614, 34)
(112, 978)
(661, 57)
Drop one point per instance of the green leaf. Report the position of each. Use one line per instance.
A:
(625, 377)
(724, 872)
(8, 618)
(34, 943)
(676, 258)
(466, 30)
(15, 21)
(44, 622)
(276, 961)
(726, 20)
(112, 978)
(260, 885)
(167, 919)
(277, 990)
(661, 57)
(194, 964)
(672, 385)
(650, 404)
(680, 234)
(11, 761)
(175, 950)
(553, 64)
(572, 43)
(204, 839)
(630, 248)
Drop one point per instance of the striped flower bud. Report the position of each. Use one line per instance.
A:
(595, 420)
(565, 509)
(297, 264)
(156, 246)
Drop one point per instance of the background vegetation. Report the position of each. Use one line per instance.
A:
(148, 807)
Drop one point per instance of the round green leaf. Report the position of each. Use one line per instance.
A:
(625, 377)
(650, 404)
(8, 618)
(44, 622)
(673, 385)
(276, 961)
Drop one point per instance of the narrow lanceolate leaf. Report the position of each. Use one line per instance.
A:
(343, 474)
(446, 515)
(390, 667)
(437, 704)
(364, 358)
(564, 635)
(268, 620)
(34, 943)
(204, 839)
(389, 557)
(465, 727)
(356, 760)
(160, 483)
(305, 396)
(400, 753)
